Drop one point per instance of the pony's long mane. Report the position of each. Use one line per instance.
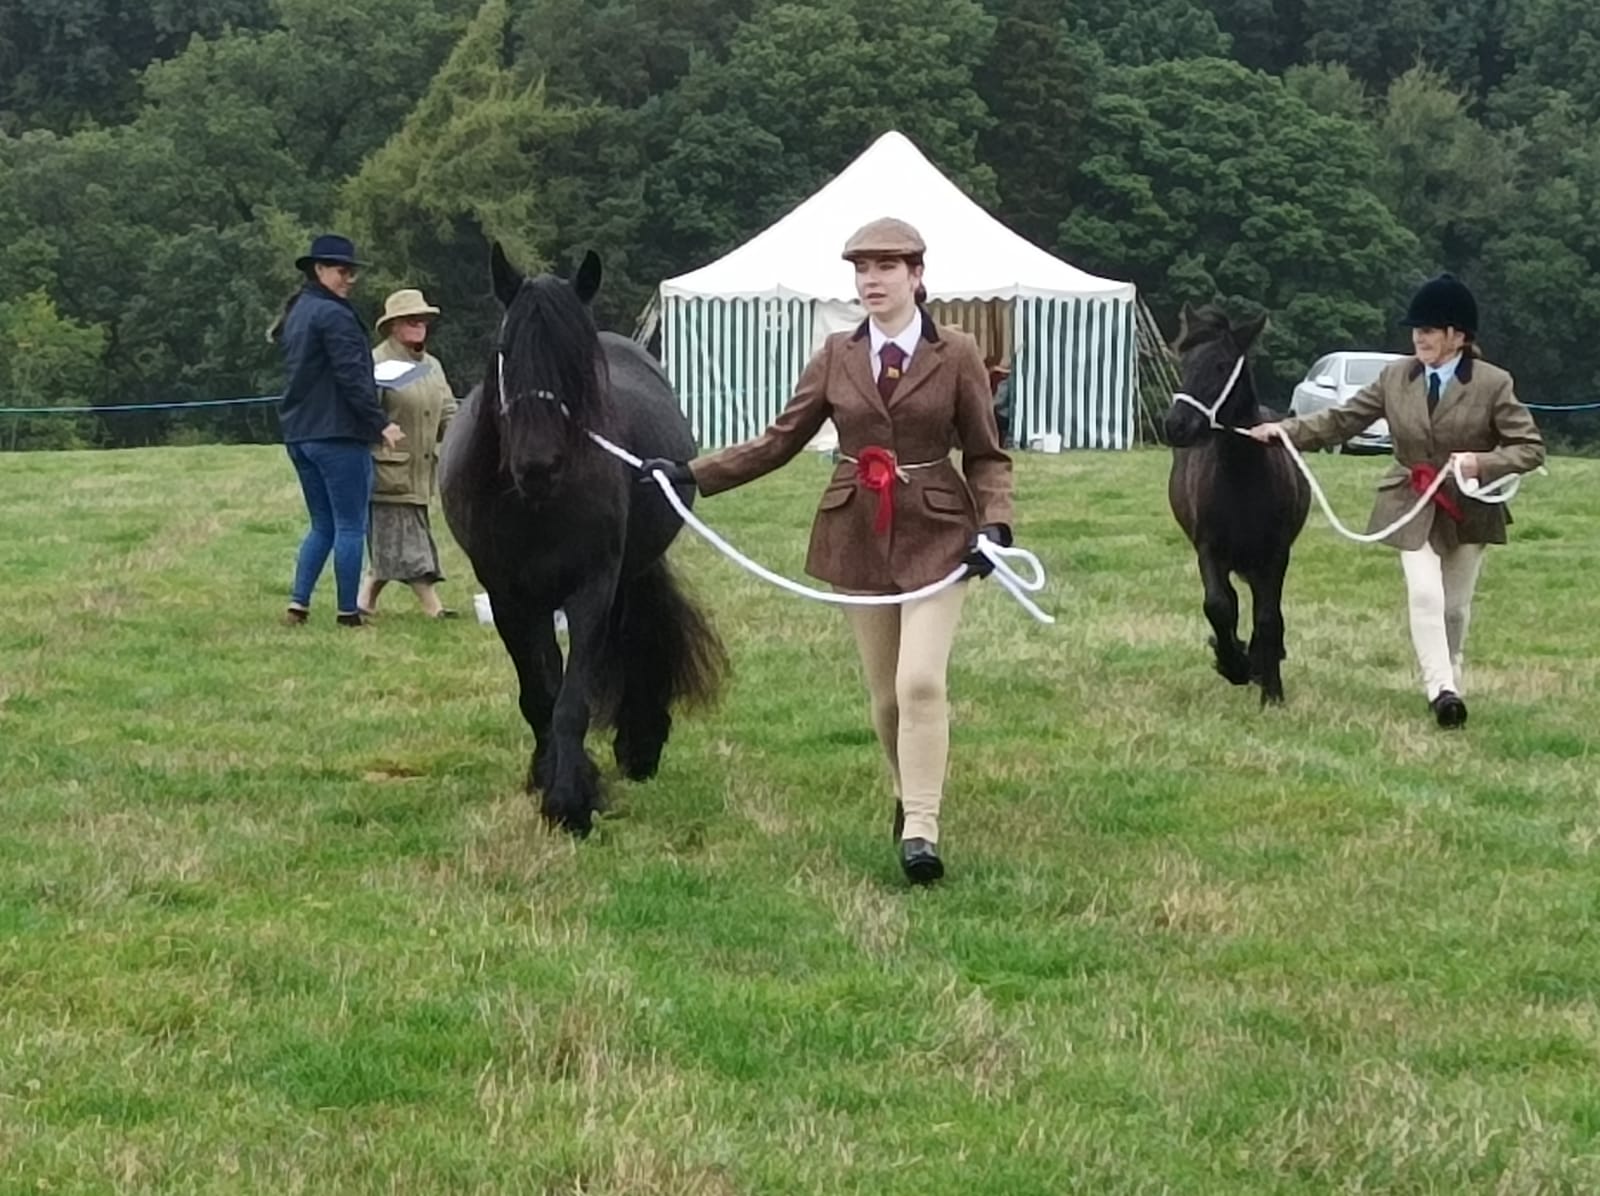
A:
(551, 347)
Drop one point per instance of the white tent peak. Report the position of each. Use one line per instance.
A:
(971, 255)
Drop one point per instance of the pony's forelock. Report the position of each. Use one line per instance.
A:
(1206, 324)
(550, 379)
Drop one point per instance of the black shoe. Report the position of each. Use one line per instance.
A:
(921, 862)
(899, 821)
(1449, 709)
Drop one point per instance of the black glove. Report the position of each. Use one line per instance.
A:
(678, 472)
(979, 565)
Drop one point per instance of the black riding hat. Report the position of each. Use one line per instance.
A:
(1443, 302)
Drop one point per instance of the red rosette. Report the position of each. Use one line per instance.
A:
(1422, 476)
(877, 471)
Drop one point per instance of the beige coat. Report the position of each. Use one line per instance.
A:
(943, 403)
(408, 473)
(1477, 413)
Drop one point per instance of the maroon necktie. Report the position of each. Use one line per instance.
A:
(891, 358)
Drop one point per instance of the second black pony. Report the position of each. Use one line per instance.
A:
(1241, 503)
(550, 520)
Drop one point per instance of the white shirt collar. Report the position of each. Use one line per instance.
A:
(1446, 371)
(906, 338)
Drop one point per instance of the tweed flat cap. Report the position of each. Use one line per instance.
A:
(886, 237)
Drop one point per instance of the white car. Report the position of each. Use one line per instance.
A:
(1333, 381)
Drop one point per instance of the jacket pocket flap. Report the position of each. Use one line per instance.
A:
(836, 496)
(947, 502)
(1390, 480)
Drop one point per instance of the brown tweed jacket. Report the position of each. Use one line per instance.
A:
(1478, 413)
(943, 403)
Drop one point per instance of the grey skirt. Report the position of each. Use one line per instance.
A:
(401, 544)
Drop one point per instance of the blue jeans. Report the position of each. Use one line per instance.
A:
(336, 478)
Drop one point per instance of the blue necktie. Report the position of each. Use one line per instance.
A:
(1433, 391)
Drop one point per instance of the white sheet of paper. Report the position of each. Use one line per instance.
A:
(395, 374)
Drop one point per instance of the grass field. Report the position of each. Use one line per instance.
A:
(275, 916)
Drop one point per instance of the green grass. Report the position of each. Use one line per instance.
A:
(275, 916)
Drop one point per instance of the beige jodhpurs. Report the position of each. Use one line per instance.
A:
(905, 651)
(1439, 593)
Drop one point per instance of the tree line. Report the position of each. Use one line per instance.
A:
(161, 169)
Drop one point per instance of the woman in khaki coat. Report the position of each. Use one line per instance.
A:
(899, 512)
(1444, 402)
(400, 540)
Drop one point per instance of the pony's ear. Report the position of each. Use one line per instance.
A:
(587, 284)
(1186, 319)
(507, 278)
(1245, 334)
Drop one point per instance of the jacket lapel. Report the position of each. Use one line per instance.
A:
(858, 369)
(1459, 407)
(1455, 393)
(923, 364)
(1415, 405)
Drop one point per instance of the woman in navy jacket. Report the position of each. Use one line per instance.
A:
(331, 418)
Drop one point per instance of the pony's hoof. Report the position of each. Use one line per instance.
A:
(538, 779)
(573, 797)
(1235, 668)
(1272, 697)
(576, 825)
(636, 761)
(576, 818)
(1233, 672)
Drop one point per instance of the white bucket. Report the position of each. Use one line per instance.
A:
(1046, 442)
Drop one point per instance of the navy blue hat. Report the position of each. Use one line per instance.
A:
(1443, 302)
(331, 248)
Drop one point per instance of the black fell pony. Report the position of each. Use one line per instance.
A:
(550, 520)
(1240, 503)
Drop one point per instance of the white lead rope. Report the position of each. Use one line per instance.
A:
(1488, 492)
(1017, 585)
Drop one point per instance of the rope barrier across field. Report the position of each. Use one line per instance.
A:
(137, 406)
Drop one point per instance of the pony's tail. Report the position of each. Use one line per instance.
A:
(662, 652)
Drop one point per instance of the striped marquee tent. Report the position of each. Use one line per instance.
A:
(735, 334)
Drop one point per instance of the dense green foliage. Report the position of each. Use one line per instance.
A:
(1313, 158)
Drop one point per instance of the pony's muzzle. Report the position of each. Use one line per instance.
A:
(1184, 426)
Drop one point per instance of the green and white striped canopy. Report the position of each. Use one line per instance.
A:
(736, 333)
(734, 364)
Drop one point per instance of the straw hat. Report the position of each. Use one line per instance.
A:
(405, 303)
